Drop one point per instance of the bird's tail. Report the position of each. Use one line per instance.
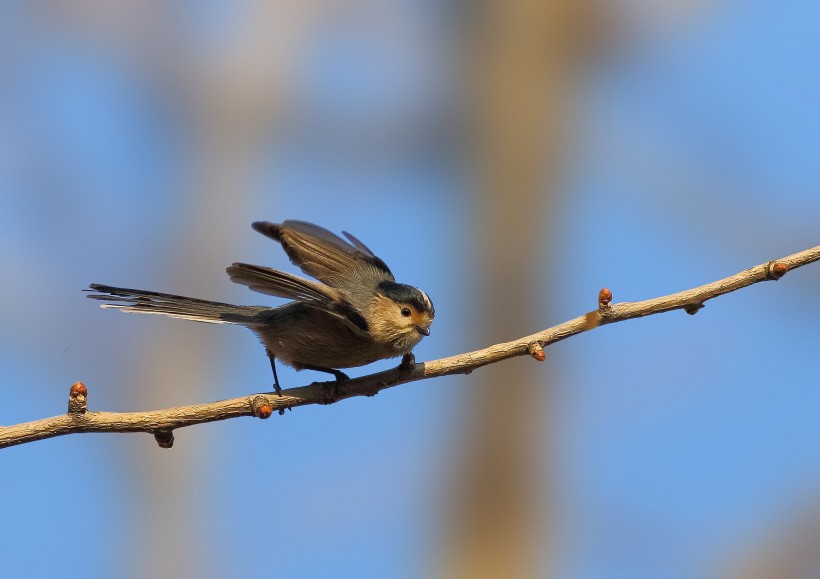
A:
(145, 302)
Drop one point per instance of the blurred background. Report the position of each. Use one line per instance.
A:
(511, 158)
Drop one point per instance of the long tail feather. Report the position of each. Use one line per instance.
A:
(146, 302)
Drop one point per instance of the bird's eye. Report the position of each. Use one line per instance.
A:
(405, 312)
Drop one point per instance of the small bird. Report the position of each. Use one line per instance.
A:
(353, 315)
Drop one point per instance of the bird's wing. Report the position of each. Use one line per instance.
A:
(326, 256)
(284, 285)
(280, 284)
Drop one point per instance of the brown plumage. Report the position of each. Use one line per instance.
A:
(353, 315)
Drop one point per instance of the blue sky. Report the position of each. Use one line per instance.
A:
(684, 443)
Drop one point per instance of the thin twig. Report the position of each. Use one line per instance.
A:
(162, 423)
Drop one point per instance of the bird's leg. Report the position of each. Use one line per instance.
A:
(276, 386)
(407, 362)
(272, 359)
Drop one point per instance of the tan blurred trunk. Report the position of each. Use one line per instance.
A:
(789, 547)
(170, 522)
(233, 106)
(523, 58)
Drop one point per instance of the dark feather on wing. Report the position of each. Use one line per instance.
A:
(326, 256)
(280, 284)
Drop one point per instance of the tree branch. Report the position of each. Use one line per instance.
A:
(162, 423)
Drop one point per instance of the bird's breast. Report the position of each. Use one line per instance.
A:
(303, 335)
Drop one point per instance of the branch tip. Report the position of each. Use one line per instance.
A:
(776, 269)
(262, 408)
(78, 389)
(692, 309)
(604, 298)
(536, 350)
(164, 437)
(77, 398)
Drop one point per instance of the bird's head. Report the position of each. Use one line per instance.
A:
(400, 314)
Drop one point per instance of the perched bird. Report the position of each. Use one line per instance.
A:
(353, 315)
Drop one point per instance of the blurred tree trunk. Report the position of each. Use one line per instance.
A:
(231, 105)
(523, 58)
(172, 520)
(789, 548)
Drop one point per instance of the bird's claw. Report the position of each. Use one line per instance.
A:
(407, 362)
(331, 389)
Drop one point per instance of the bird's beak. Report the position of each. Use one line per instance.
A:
(423, 331)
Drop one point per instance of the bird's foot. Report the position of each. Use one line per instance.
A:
(340, 376)
(408, 361)
(333, 390)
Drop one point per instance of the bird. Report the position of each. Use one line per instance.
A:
(355, 313)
